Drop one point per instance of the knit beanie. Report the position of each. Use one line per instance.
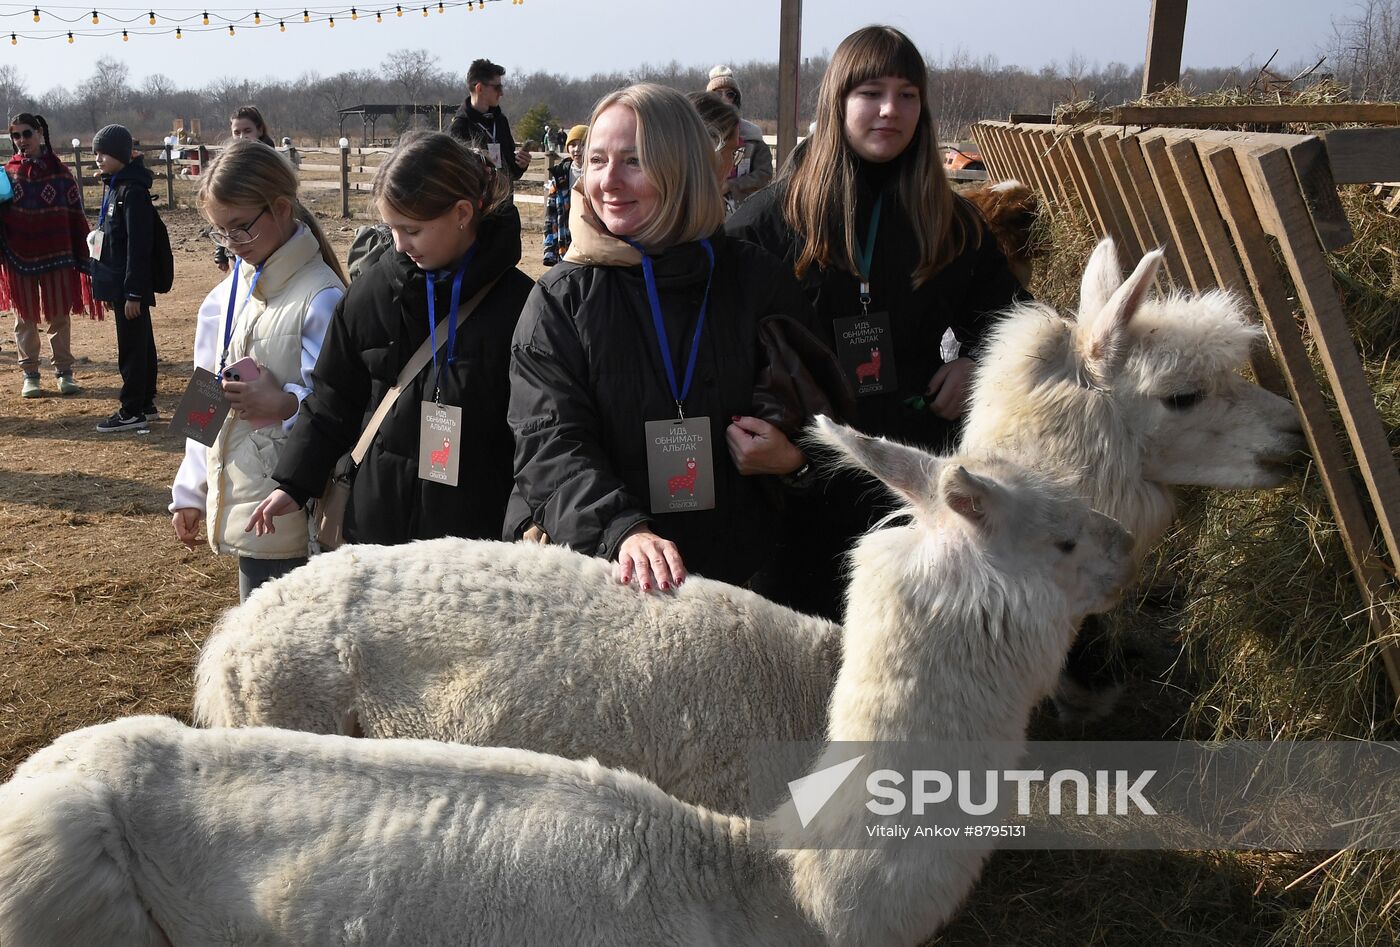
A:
(722, 77)
(114, 141)
(577, 133)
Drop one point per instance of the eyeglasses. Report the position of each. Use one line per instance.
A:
(495, 85)
(23, 133)
(236, 237)
(729, 94)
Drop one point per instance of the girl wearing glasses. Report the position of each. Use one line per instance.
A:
(273, 308)
(456, 236)
(43, 254)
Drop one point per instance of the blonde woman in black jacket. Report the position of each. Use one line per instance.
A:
(634, 365)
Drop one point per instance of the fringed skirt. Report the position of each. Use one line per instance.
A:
(67, 290)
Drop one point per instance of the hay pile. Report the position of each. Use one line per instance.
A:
(1268, 636)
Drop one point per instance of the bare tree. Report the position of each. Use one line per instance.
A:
(411, 71)
(104, 92)
(12, 91)
(1365, 50)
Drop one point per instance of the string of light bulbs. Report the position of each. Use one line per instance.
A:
(195, 20)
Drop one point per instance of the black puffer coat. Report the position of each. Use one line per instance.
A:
(587, 374)
(124, 270)
(475, 128)
(963, 296)
(380, 323)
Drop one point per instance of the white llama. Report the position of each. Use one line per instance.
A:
(147, 832)
(533, 647)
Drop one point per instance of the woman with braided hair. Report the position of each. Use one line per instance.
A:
(43, 253)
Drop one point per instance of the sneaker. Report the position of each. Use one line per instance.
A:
(30, 388)
(152, 413)
(121, 421)
(66, 384)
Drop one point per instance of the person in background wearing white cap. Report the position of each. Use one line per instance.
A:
(562, 178)
(753, 166)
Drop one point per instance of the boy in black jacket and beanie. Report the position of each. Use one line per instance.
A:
(121, 273)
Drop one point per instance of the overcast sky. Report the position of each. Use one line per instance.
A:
(578, 37)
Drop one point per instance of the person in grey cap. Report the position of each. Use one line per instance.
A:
(121, 273)
(753, 165)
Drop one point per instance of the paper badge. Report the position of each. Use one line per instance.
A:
(865, 348)
(202, 408)
(439, 443)
(680, 469)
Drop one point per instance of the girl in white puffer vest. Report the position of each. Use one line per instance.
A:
(273, 307)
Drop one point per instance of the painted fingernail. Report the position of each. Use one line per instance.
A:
(663, 586)
(734, 418)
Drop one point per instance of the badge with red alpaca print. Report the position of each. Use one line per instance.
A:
(202, 409)
(865, 346)
(680, 471)
(439, 443)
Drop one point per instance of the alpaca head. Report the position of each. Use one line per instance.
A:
(1133, 396)
(1010, 209)
(997, 530)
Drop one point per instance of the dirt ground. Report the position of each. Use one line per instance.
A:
(101, 610)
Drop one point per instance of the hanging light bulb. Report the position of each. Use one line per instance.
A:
(257, 18)
(36, 14)
(14, 40)
(70, 39)
(230, 29)
(178, 34)
(425, 11)
(354, 15)
(440, 8)
(94, 17)
(399, 9)
(332, 22)
(152, 16)
(378, 17)
(124, 37)
(281, 27)
(206, 17)
(305, 16)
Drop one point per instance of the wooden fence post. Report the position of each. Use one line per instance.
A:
(345, 177)
(169, 174)
(78, 171)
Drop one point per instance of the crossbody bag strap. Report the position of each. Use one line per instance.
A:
(414, 365)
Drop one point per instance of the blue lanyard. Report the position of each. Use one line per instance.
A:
(866, 252)
(106, 196)
(232, 298)
(678, 393)
(451, 321)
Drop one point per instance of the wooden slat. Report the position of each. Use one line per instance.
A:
(1040, 166)
(1054, 153)
(1091, 189)
(1023, 159)
(1342, 113)
(1363, 155)
(1131, 150)
(1220, 250)
(1278, 202)
(995, 149)
(1222, 169)
(1166, 31)
(1183, 230)
(1118, 191)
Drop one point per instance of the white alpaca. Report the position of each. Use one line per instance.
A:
(530, 647)
(1134, 396)
(145, 832)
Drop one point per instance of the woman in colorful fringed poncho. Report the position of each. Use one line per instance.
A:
(43, 253)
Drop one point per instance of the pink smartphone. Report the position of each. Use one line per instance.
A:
(246, 369)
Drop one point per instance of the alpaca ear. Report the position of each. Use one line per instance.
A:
(967, 494)
(1101, 331)
(907, 471)
(1102, 276)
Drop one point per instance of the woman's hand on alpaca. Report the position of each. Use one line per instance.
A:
(649, 560)
(278, 503)
(132, 310)
(948, 389)
(758, 447)
(262, 397)
(186, 520)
